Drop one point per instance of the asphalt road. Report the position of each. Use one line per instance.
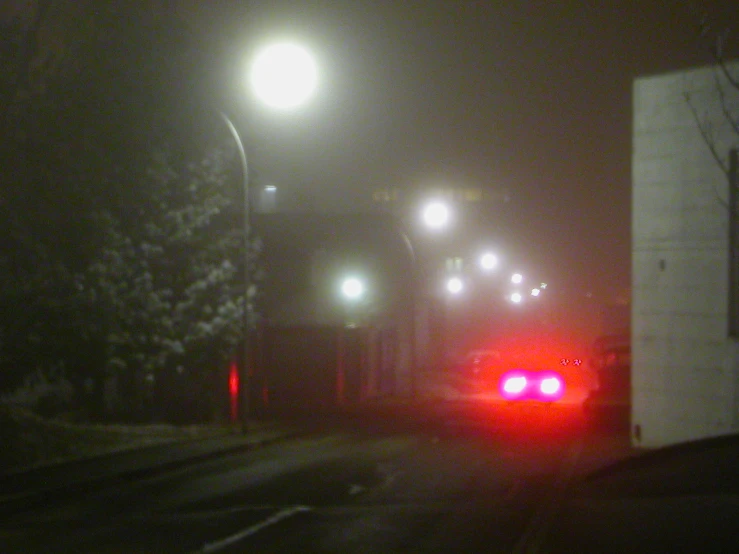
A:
(459, 483)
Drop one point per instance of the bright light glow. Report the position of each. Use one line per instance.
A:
(436, 215)
(352, 288)
(535, 292)
(543, 286)
(514, 385)
(284, 75)
(516, 278)
(488, 261)
(550, 385)
(454, 285)
(516, 297)
(270, 188)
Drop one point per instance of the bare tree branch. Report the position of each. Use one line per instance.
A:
(730, 117)
(706, 130)
(721, 61)
(716, 46)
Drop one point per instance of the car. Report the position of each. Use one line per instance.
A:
(546, 386)
(527, 369)
(610, 399)
(477, 371)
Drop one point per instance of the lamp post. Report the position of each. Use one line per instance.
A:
(242, 404)
(282, 75)
(413, 301)
(435, 215)
(352, 290)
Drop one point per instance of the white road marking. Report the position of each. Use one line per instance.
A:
(539, 524)
(236, 537)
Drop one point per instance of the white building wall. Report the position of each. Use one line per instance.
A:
(683, 365)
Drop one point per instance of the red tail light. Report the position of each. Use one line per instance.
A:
(512, 386)
(550, 386)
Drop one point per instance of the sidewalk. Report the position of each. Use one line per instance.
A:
(77, 474)
(600, 451)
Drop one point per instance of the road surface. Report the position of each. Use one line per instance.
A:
(457, 484)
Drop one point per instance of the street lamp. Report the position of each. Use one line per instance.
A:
(454, 285)
(353, 291)
(488, 261)
(412, 298)
(436, 215)
(352, 288)
(282, 75)
(516, 278)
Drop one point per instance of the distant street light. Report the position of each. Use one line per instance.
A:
(516, 278)
(436, 215)
(282, 76)
(454, 285)
(489, 261)
(535, 292)
(352, 288)
(516, 298)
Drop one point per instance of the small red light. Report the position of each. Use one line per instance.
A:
(233, 380)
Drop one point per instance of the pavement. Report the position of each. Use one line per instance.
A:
(676, 499)
(32, 485)
(88, 472)
(365, 478)
(137, 462)
(401, 490)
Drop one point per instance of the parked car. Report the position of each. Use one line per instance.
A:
(610, 360)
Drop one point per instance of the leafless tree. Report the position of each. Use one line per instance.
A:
(719, 43)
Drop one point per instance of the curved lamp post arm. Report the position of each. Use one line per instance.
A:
(243, 404)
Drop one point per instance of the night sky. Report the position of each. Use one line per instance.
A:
(533, 97)
(529, 96)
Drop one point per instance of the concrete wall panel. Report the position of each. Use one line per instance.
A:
(684, 376)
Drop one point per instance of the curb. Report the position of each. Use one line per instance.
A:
(21, 502)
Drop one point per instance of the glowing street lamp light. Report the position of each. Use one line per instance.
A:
(284, 75)
(516, 278)
(535, 292)
(516, 298)
(436, 215)
(489, 261)
(454, 285)
(352, 288)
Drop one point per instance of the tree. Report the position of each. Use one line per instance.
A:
(119, 257)
(60, 163)
(726, 95)
(169, 283)
(721, 135)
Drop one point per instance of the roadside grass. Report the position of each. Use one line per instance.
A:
(28, 440)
